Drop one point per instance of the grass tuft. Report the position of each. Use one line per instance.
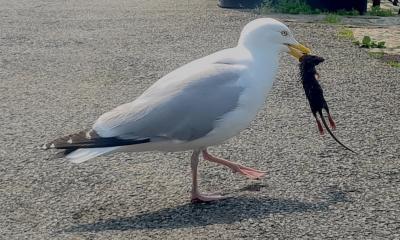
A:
(377, 55)
(343, 12)
(378, 11)
(346, 33)
(394, 64)
(288, 6)
(300, 7)
(391, 60)
(332, 18)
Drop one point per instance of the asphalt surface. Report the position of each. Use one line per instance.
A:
(63, 63)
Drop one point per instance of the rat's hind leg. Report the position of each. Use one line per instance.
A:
(320, 129)
(319, 125)
(331, 122)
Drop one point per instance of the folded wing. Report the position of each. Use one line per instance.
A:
(179, 109)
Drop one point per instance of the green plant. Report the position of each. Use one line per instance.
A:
(394, 64)
(343, 12)
(332, 18)
(378, 11)
(378, 55)
(298, 7)
(266, 7)
(367, 42)
(346, 33)
(288, 6)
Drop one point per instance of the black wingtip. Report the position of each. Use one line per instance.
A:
(90, 139)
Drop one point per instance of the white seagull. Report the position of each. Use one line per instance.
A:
(198, 105)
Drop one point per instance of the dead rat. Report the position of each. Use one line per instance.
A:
(315, 94)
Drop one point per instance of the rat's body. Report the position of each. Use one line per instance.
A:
(315, 94)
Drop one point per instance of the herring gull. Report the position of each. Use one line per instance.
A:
(198, 105)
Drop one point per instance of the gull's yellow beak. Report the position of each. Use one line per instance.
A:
(298, 50)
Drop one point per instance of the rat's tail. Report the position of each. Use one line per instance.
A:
(330, 133)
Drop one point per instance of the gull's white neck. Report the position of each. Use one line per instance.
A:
(264, 63)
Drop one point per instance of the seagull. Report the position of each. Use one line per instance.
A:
(200, 104)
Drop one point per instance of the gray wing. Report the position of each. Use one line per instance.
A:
(182, 109)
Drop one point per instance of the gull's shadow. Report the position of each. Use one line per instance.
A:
(223, 212)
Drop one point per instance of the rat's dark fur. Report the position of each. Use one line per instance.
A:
(315, 94)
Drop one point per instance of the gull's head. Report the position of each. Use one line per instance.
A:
(267, 33)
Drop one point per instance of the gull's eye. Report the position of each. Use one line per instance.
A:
(284, 33)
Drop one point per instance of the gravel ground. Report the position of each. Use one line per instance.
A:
(63, 63)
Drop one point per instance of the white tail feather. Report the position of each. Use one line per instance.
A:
(84, 154)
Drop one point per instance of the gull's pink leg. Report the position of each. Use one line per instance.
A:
(246, 171)
(197, 197)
